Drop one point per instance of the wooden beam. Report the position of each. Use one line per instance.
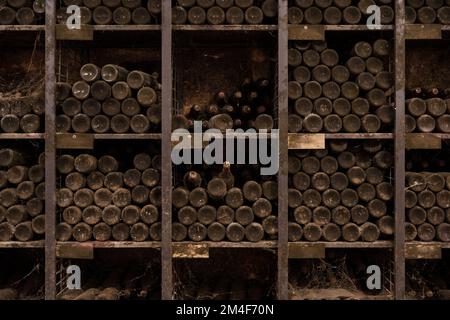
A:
(303, 250)
(306, 141)
(85, 33)
(75, 250)
(306, 32)
(423, 141)
(74, 141)
(423, 251)
(423, 32)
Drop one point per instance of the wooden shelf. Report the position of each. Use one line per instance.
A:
(135, 27)
(380, 136)
(86, 140)
(127, 136)
(228, 244)
(418, 31)
(357, 28)
(317, 31)
(317, 250)
(22, 27)
(85, 250)
(20, 136)
(349, 27)
(425, 250)
(444, 136)
(301, 294)
(425, 140)
(351, 245)
(315, 141)
(22, 245)
(115, 136)
(240, 28)
(200, 250)
(443, 245)
(113, 244)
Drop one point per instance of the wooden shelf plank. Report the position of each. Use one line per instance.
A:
(424, 140)
(228, 244)
(114, 244)
(443, 245)
(20, 136)
(316, 140)
(241, 28)
(22, 27)
(135, 27)
(23, 245)
(351, 245)
(127, 136)
(423, 31)
(357, 28)
(86, 140)
(380, 136)
(317, 32)
(306, 32)
(423, 250)
(443, 136)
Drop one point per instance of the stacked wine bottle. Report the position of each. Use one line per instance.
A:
(98, 200)
(329, 92)
(427, 11)
(22, 194)
(338, 11)
(341, 193)
(428, 206)
(218, 12)
(248, 107)
(22, 12)
(214, 205)
(120, 12)
(428, 111)
(22, 113)
(109, 99)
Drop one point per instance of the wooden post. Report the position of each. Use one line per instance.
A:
(399, 240)
(50, 151)
(166, 212)
(283, 281)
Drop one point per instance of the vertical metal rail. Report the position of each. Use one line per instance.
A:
(399, 246)
(166, 216)
(283, 272)
(50, 152)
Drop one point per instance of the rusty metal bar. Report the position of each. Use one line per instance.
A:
(399, 245)
(282, 285)
(50, 153)
(166, 207)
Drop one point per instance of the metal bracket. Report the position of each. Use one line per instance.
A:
(190, 251)
(74, 141)
(85, 33)
(423, 141)
(75, 251)
(423, 32)
(306, 32)
(306, 141)
(306, 250)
